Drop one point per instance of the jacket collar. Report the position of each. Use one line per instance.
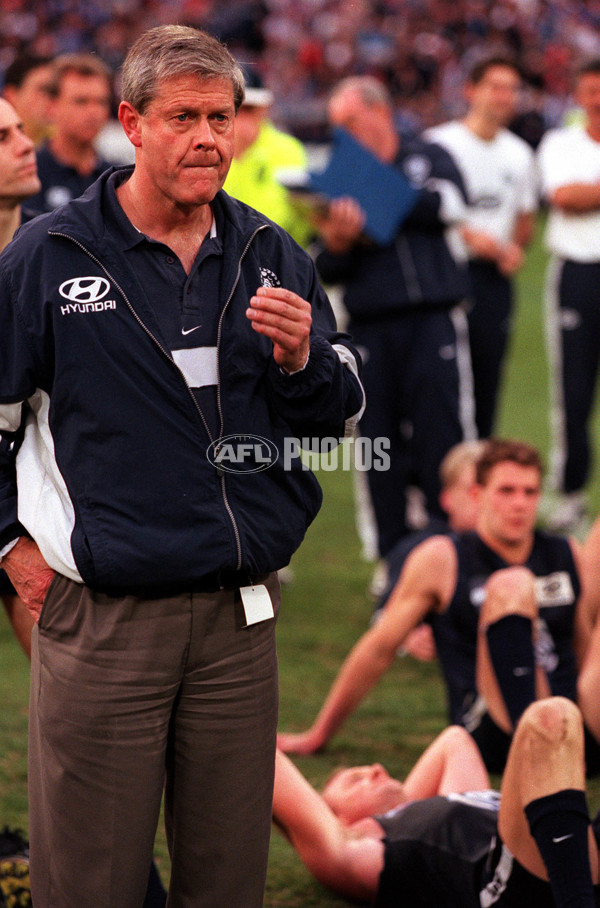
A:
(84, 219)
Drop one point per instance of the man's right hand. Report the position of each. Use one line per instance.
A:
(29, 574)
(343, 225)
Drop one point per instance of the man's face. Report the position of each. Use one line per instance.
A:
(185, 139)
(362, 791)
(81, 108)
(31, 100)
(587, 95)
(18, 169)
(495, 96)
(508, 502)
(348, 111)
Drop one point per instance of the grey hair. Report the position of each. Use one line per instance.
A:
(176, 50)
(369, 89)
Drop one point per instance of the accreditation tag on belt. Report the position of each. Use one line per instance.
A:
(257, 603)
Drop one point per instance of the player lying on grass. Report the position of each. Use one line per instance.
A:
(372, 838)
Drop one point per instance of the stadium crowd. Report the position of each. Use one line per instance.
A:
(421, 48)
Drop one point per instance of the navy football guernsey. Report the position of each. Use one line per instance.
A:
(455, 630)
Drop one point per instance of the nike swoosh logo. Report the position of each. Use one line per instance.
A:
(562, 838)
(189, 330)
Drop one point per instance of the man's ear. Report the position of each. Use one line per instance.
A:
(476, 491)
(9, 93)
(130, 120)
(468, 92)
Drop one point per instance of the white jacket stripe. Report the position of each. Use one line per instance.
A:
(45, 507)
(349, 360)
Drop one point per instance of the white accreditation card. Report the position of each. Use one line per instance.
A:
(257, 603)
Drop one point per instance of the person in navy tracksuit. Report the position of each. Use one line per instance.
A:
(404, 301)
(160, 344)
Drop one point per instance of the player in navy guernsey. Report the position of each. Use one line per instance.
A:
(80, 87)
(503, 604)
(371, 838)
(457, 477)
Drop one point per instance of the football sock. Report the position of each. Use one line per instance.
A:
(559, 824)
(511, 651)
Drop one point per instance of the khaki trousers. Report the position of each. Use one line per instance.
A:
(129, 696)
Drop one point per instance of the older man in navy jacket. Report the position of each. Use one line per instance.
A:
(148, 328)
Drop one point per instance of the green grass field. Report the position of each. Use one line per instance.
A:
(324, 611)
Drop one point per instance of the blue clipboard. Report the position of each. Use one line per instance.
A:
(383, 192)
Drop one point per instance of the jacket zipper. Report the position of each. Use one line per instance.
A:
(144, 327)
(219, 404)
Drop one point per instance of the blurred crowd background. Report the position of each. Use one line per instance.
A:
(420, 48)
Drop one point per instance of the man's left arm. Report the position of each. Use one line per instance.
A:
(508, 256)
(442, 201)
(513, 253)
(336, 856)
(313, 379)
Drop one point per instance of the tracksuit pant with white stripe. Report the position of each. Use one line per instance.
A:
(418, 384)
(489, 329)
(573, 334)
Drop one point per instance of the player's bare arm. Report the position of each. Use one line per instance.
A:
(330, 850)
(425, 585)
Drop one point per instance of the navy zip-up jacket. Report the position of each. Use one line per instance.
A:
(101, 435)
(418, 269)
